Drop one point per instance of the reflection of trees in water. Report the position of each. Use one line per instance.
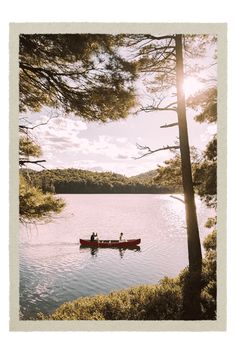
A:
(94, 250)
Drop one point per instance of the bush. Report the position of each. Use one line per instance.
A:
(148, 302)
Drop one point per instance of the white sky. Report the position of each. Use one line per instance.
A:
(69, 142)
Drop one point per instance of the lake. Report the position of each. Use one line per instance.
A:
(54, 269)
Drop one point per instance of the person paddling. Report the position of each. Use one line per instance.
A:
(92, 237)
(121, 236)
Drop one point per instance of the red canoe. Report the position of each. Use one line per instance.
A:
(110, 243)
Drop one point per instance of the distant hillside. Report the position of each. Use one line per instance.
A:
(82, 181)
(145, 177)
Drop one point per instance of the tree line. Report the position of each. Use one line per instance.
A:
(66, 181)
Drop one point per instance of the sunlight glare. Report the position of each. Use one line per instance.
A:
(191, 86)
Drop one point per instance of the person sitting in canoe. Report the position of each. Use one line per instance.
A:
(92, 237)
(96, 237)
(121, 237)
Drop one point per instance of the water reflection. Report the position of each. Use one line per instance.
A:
(95, 250)
(54, 269)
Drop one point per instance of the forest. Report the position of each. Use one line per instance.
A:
(61, 181)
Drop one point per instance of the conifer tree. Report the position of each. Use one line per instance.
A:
(78, 73)
(161, 59)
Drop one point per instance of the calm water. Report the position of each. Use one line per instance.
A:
(54, 269)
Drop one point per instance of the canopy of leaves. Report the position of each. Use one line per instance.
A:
(204, 170)
(27, 147)
(79, 73)
(205, 174)
(205, 102)
(170, 174)
(204, 167)
(35, 205)
(155, 57)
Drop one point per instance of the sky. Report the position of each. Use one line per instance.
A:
(70, 142)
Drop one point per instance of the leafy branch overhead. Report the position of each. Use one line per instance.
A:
(79, 73)
(34, 205)
(37, 206)
(205, 103)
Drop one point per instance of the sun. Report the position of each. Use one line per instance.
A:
(191, 86)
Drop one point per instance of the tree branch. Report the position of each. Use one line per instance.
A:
(152, 108)
(151, 36)
(35, 126)
(24, 128)
(179, 199)
(169, 125)
(149, 151)
(22, 162)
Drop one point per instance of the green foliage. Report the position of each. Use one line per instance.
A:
(163, 301)
(206, 102)
(35, 205)
(155, 59)
(204, 168)
(27, 147)
(195, 45)
(148, 302)
(81, 181)
(210, 242)
(209, 278)
(170, 173)
(79, 73)
(205, 175)
(146, 177)
(211, 222)
(211, 150)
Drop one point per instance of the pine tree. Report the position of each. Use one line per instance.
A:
(161, 58)
(79, 73)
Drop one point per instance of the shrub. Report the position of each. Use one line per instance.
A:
(148, 302)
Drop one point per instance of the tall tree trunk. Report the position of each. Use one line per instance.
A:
(192, 289)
